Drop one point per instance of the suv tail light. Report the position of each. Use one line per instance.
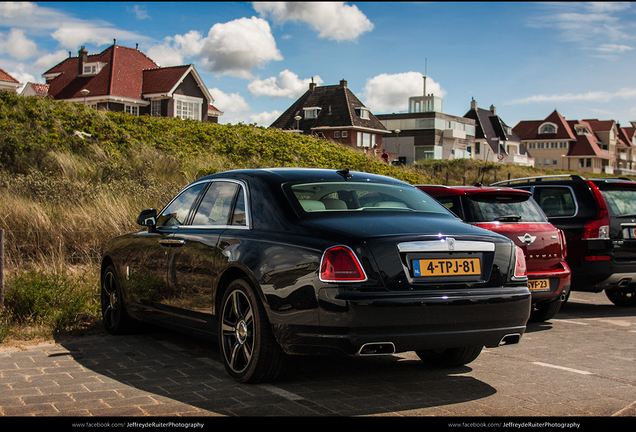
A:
(521, 271)
(599, 226)
(339, 264)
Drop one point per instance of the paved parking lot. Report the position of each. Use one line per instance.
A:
(582, 363)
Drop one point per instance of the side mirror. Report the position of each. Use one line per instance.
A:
(147, 217)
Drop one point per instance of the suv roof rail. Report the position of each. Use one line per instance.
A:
(613, 178)
(539, 178)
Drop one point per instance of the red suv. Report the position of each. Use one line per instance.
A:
(514, 214)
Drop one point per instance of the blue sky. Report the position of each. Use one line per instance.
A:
(527, 59)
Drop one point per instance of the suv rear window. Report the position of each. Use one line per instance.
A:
(503, 208)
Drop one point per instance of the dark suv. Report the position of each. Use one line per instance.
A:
(514, 214)
(598, 217)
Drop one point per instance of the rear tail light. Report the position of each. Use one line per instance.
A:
(599, 226)
(564, 244)
(339, 264)
(521, 271)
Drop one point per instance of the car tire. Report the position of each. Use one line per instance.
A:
(451, 357)
(249, 350)
(621, 298)
(545, 310)
(116, 319)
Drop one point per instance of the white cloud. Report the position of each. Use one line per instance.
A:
(140, 12)
(17, 45)
(596, 96)
(73, 34)
(333, 20)
(391, 92)
(287, 85)
(232, 48)
(237, 47)
(229, 102)
(22, 76)
(265, 118)
(47, 61)
(593, 26)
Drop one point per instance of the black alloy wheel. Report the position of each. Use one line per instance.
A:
(116, 320)
(621, 297)
(249, 350)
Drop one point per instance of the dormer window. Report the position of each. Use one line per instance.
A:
(547, 128)
(312, 112)
(92, 68)
(363, 113)
(582, 130)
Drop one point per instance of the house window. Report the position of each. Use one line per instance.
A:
(554, 162)
(132, 109)
(363, 113)
(336, 134)
(539, 161)
(311, 113)
(547, 128)
(187, 107)
(92, 68)
(155, 108)
(344, 134)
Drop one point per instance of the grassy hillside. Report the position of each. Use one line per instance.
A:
(71, 177)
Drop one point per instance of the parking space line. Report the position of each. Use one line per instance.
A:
(564, 368)
(570, 321)
(281, 392)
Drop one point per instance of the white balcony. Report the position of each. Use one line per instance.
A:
(454, 133)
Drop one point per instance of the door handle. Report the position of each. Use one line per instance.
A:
(171, 242)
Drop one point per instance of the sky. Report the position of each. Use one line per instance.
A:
(526, 59)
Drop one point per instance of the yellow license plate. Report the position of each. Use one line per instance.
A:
(447, 267)
(539, 285)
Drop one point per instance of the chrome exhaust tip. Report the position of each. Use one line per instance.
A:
(510, 339)
(377, 348)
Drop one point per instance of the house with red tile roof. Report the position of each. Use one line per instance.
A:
(8, 83)
(626, 150)
(557, 143)
(125, 79)
(35, 89)
(334, 113)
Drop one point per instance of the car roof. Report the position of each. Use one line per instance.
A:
(440, 190)
(303, 174)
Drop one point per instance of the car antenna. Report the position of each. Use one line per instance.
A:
(345, 173)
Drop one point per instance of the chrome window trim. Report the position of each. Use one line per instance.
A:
(248, 218)
(442, 245)
(576, 201)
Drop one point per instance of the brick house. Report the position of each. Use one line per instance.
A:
(334, 113)
(557, 143)
(125, 79)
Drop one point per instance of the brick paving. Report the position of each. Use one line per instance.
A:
(580, 364)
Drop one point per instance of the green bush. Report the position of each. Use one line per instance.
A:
(52, 303)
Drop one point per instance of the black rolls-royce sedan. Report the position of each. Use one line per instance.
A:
(274, 262)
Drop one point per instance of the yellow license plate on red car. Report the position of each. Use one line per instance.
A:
(447, 267)
(539, 285)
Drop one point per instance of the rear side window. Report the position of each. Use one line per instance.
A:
(621, 202)
(503, 209)
(556, 200)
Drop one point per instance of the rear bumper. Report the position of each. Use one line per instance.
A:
(596, 276)
(559, 283)
(410, 321)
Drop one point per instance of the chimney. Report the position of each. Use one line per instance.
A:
(82, 57)
(473, 104)
(493, 110)
(424, 86)
(343, 83)
(312, 84)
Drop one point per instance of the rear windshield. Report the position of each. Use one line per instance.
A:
(621, 202)
(503, 209)
(353, 196)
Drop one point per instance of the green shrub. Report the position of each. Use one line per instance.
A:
(54, 303)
